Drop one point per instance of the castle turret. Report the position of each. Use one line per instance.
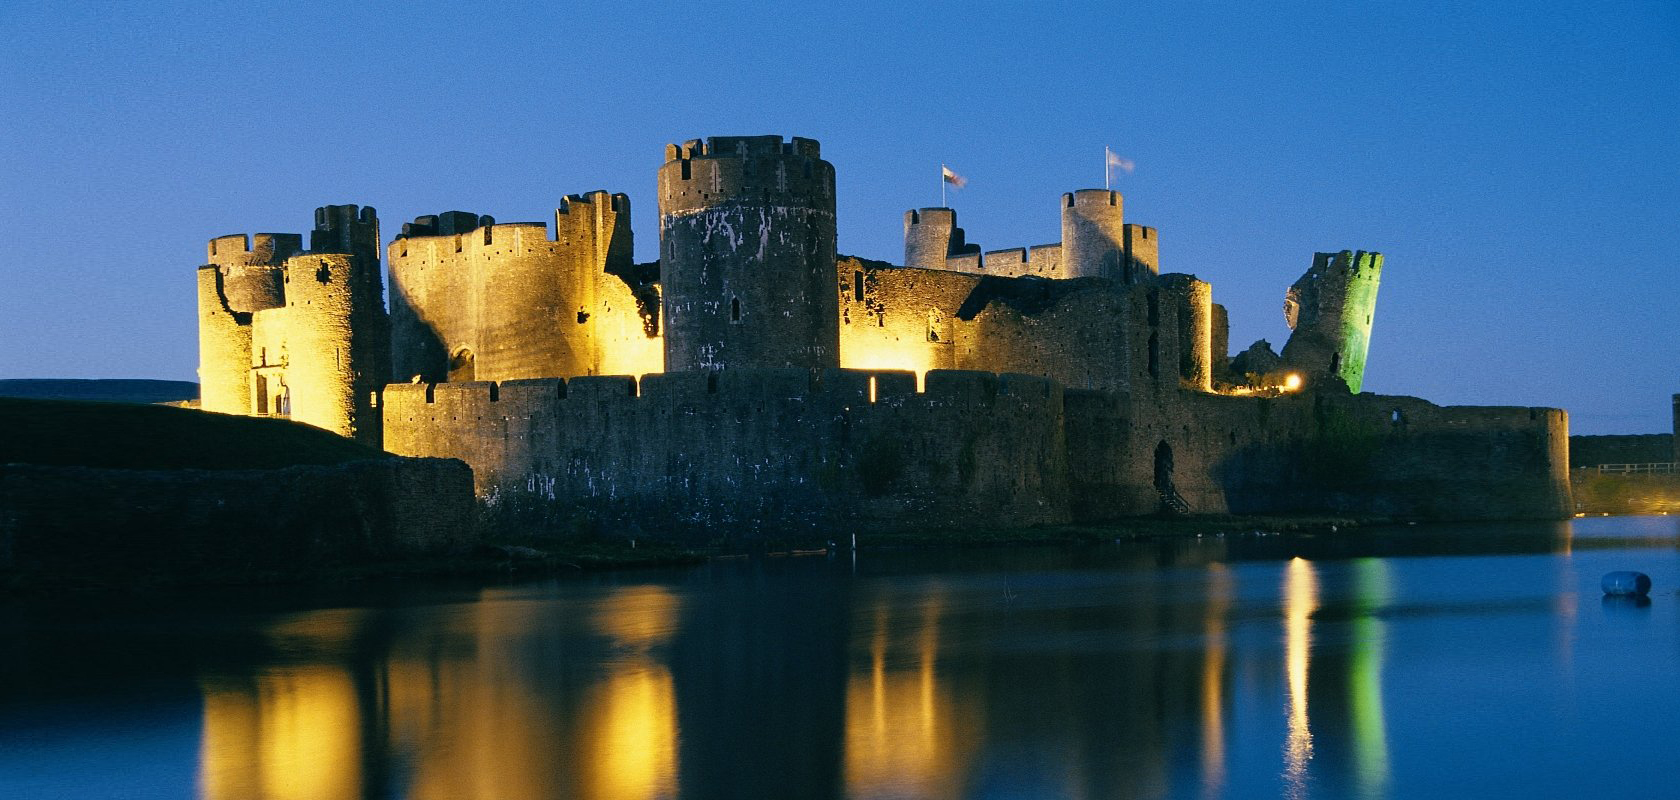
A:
(336, 335)
(931, 236)
(747, 231)
(1093, 234)
(1143, 256)
(242, 275)
(1330, 311)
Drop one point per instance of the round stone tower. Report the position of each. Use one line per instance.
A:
(1093, 234)
(746, 246)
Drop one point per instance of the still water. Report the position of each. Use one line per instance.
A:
(1427, 661)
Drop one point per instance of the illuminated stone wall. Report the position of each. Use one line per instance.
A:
(1088, 334)
(474, 300)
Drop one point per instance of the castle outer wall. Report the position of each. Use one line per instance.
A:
(754, 451)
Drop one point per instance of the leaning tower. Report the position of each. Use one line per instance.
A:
(746, 244)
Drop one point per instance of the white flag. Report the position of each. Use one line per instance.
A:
(952, 178)
(1114, 160)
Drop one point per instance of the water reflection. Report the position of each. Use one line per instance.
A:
(1300, 591)
(1373, 589)
(1220, 590)
(1162, 669)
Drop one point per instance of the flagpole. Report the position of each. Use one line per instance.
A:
(942, 185)
(1105, 168)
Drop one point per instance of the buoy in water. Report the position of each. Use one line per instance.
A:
(1626, 583)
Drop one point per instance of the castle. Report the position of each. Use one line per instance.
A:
(751, 377)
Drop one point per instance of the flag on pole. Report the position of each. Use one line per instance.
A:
(952, 177)
(1114, 160)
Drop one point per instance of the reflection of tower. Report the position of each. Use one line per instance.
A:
(1372, 590)
(289, 733)
(760, 666)
(1300, 600)
(1220, 591)
(746, 230)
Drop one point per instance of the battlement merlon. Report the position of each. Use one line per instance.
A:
(257, 249)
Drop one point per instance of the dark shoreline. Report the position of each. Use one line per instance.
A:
(539, 556)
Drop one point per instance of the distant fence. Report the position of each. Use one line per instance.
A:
(1656, 468)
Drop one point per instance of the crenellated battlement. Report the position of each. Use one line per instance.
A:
(943, 386)
(267, 249)
(600, 199)
(747, 169)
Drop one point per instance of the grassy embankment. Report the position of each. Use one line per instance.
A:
(69, 433)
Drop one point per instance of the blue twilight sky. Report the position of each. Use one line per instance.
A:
(1518, 163)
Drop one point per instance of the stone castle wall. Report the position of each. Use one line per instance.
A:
(475, 300)
(1318, 453)
(1090, 334)
(750, 451)
(746, 451)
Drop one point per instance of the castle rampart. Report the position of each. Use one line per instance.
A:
(755, 449)
(826, 449)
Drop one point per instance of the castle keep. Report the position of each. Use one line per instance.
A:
(754, 378)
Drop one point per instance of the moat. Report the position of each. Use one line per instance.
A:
(1421, 661)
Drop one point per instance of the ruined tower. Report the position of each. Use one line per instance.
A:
(746, 243)
(1330, 310)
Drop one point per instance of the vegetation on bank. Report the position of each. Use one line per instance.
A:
(120, 436)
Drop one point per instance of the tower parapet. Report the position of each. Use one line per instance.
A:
(1330, 311)
(747, 236)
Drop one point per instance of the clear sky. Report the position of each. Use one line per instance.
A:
(1517, 163)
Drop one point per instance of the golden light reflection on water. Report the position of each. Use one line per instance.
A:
(1300, 601)
(906, 734)
(291, 733)
(1220, 587)
(460, 712)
